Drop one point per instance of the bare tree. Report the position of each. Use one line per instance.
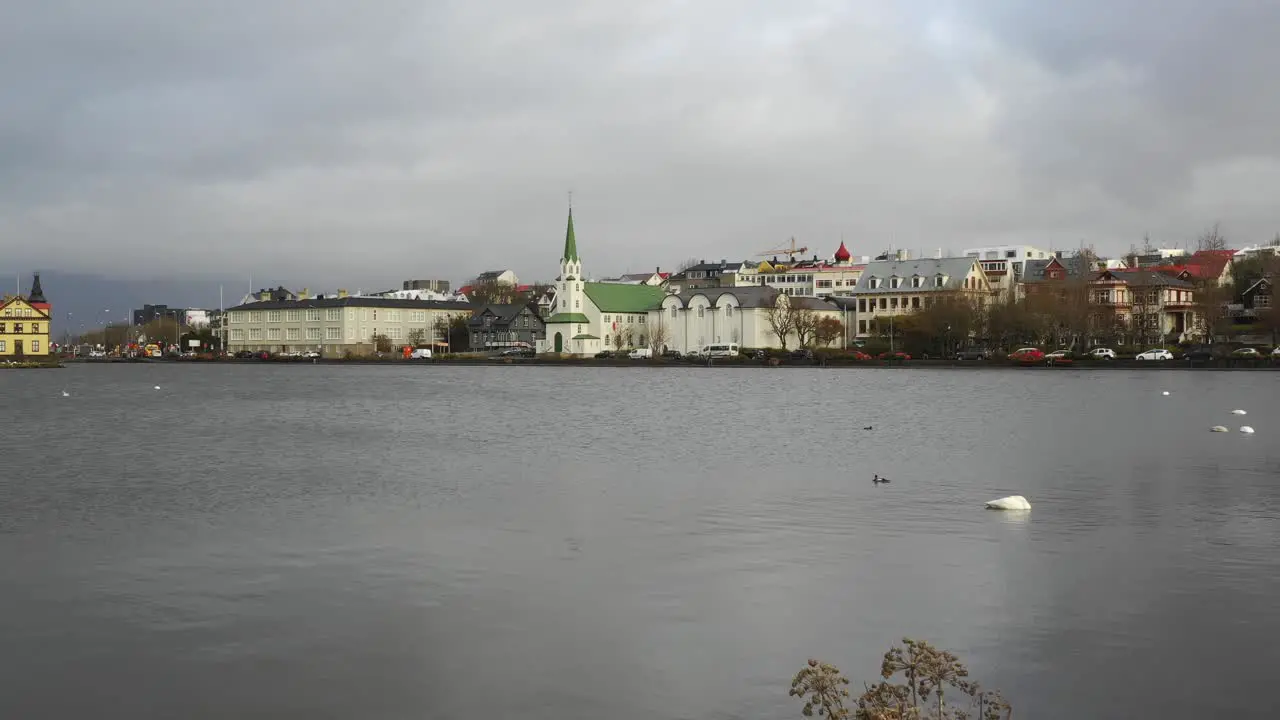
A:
(804, 323)
(828, 330)
(658, 335)
(622, 338)
(1211, 239)
(418, 337)
(688, 264)
(781, 320)
(492, 292)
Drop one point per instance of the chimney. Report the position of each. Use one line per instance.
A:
(342, 293)
(305, 294)
(657, 269)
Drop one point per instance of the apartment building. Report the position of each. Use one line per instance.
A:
(889, 288)
(1005, 265)
(336, 325)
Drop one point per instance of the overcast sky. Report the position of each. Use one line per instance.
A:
(336, 143)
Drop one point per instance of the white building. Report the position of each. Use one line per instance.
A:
(502, 277)
(696, 318)
(335, 325)
(1004, 265)
(588, 317)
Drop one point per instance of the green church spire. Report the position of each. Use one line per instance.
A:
(570, 243)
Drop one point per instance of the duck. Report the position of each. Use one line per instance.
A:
(867, 427)
(878, 480)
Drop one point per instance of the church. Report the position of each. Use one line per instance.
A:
(591, 316)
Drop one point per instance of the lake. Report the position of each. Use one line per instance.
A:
(273, 541)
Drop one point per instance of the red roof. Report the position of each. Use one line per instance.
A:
(842, 253)
(464, 289)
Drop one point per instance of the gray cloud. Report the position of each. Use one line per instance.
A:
(349, 144)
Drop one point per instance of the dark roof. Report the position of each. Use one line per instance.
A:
(504, 313)
(358, 301)
(37, 293)
(1145, 278)
(955, 270)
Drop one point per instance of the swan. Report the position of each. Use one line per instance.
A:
(1166, 392)
(1239, 412)
(1246, 429)
(157, 387)
(1013, 502)
(1218, 428)
(66, 394)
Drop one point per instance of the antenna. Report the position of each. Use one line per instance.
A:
(570, 201)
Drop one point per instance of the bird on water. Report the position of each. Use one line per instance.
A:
(878, 480)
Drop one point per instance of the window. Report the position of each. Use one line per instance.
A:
(333, 314)
(577, 304)
(606, 319)
(351, 313)
(917, 281)
(824, 283)
(939, 281)
(862, 326)
(35, 346)
(895, 282)
(255, 316)
(351, 333)
(699, 311)
(17, 328)
(274, 316)
(292, 315)
(35, 327)
(364, 314)
(393, 316)
(255, 333)
(642, 343)
(293, 333)
(3, 346)
(862, 304)
(915, 303)
(728, 310)
(237, 334)
(640, 319)
(884, 303)
(313, 315)
(237, 317)
(874, 283)
(313, 333)
(273, 333)
(417, 316)
(1012, 253)
(1, 328)
(394, 333)
(893, 303)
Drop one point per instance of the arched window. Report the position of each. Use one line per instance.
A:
(699, 311)
(673, 313)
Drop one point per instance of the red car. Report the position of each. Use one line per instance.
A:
(1027, 355)
(859, 356)
(894, 356)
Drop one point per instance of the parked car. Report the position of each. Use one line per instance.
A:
(316, 354)
(604, 354)
(973, 353)
(898, 356)
(421, 354)
(1060, 357)
(1027, 355)
(671, 354)
(1246, 352)
(1199, 353)
(802, 354)
(1157, 354)
(1102, 354)
(859, 356)
(640, 354)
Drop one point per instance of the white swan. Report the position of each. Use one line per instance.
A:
(1166, 392)
(1239, 412)
(1013, 502)
(1246, 429)
(157, 387)
(66, 394)
(1218, 428)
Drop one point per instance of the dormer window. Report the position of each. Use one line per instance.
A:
(917, 281)
(874, 283)
(939, 280)
(895, 282)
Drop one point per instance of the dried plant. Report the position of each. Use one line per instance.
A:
(927, 674)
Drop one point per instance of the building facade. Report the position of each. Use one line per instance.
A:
(1006, 264)
(496, 327)
(24, 324)
(588, 317)
(336, 325)
(900, 287)
(747, 316)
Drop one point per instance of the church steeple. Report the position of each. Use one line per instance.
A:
(570, 242)
(37, 292)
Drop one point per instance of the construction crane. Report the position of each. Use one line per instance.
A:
(790, 251)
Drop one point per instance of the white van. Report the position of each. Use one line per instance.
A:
(641, 354)
(421, 354)
(720, 350)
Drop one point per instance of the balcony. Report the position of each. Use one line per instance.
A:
(1179, 305)
(1109, 301)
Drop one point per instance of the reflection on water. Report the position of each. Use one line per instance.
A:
(265, 542)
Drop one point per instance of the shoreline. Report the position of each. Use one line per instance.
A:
(1265, 365)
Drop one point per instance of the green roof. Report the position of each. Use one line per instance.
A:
(567, 318)
(616, 298)
(585, 336)
(570, 242)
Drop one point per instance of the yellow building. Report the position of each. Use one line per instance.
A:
(24, 325)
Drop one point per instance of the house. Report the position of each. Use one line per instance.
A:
(748, 316)
(1143, 304)
(890, 288)
(504, 277)
(703, 274)
(504, 326)
(1258, 296)
(336, 325)
(587, 315)
(24, 324)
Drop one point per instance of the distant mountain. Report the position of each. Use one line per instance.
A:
(88, 298)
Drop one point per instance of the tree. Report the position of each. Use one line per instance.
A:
(1211, 239)
(828, 331)
(688, 264)
(452, 330)
(381, 343)
(781, 320)
(622, 338)
(492, 292)
(804, 323)
(927, 675)
(658, 333)
(418, 337)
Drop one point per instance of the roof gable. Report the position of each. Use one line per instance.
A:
(15, 305)
(1261, 285)
(611, 297)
